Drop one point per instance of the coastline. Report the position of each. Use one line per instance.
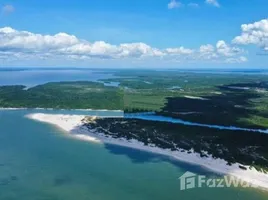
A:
(73, 124)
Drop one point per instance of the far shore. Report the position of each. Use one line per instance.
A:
(86, 109)
(73, 124)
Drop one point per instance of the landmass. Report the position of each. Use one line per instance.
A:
(220, 99)
(62, 95)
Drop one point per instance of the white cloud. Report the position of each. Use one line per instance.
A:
(64, 44)
(138, 50)
(7, 9)
(221, 51)
(206, 49)
(208, 52)
(240, 59)
(13, 39)
(213, 3)
(194, 5)
(174, 4)
(24, 45)
(256, 33)
(180, 50)
(226, 50)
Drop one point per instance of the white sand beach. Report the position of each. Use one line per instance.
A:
(74, 125)
(70, 123)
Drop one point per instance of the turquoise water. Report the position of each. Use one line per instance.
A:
(40, 162)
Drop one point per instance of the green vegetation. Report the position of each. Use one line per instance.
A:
(65, 95)
(229, 108)
(244, 147)
(222, 99)
(230, 99)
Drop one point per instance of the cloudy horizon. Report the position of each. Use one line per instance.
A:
(23, 46)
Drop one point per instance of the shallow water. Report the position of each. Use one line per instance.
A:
(40, 162)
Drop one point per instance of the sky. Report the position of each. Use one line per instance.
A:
(134, 33)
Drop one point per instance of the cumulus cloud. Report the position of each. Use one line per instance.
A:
(7, 9)
(208, 52)
(240, 59)
(255, 33)
(213, 3)
(12, 40)
(226, 50)
(221, 50)
(180, 50)
(21, 40)
(24, 45)
(174, 4)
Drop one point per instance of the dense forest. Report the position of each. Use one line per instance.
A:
(232, 107)
(65, 95)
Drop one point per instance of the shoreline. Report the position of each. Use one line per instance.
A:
(74, 125)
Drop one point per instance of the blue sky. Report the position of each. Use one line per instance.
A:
(156, 33)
